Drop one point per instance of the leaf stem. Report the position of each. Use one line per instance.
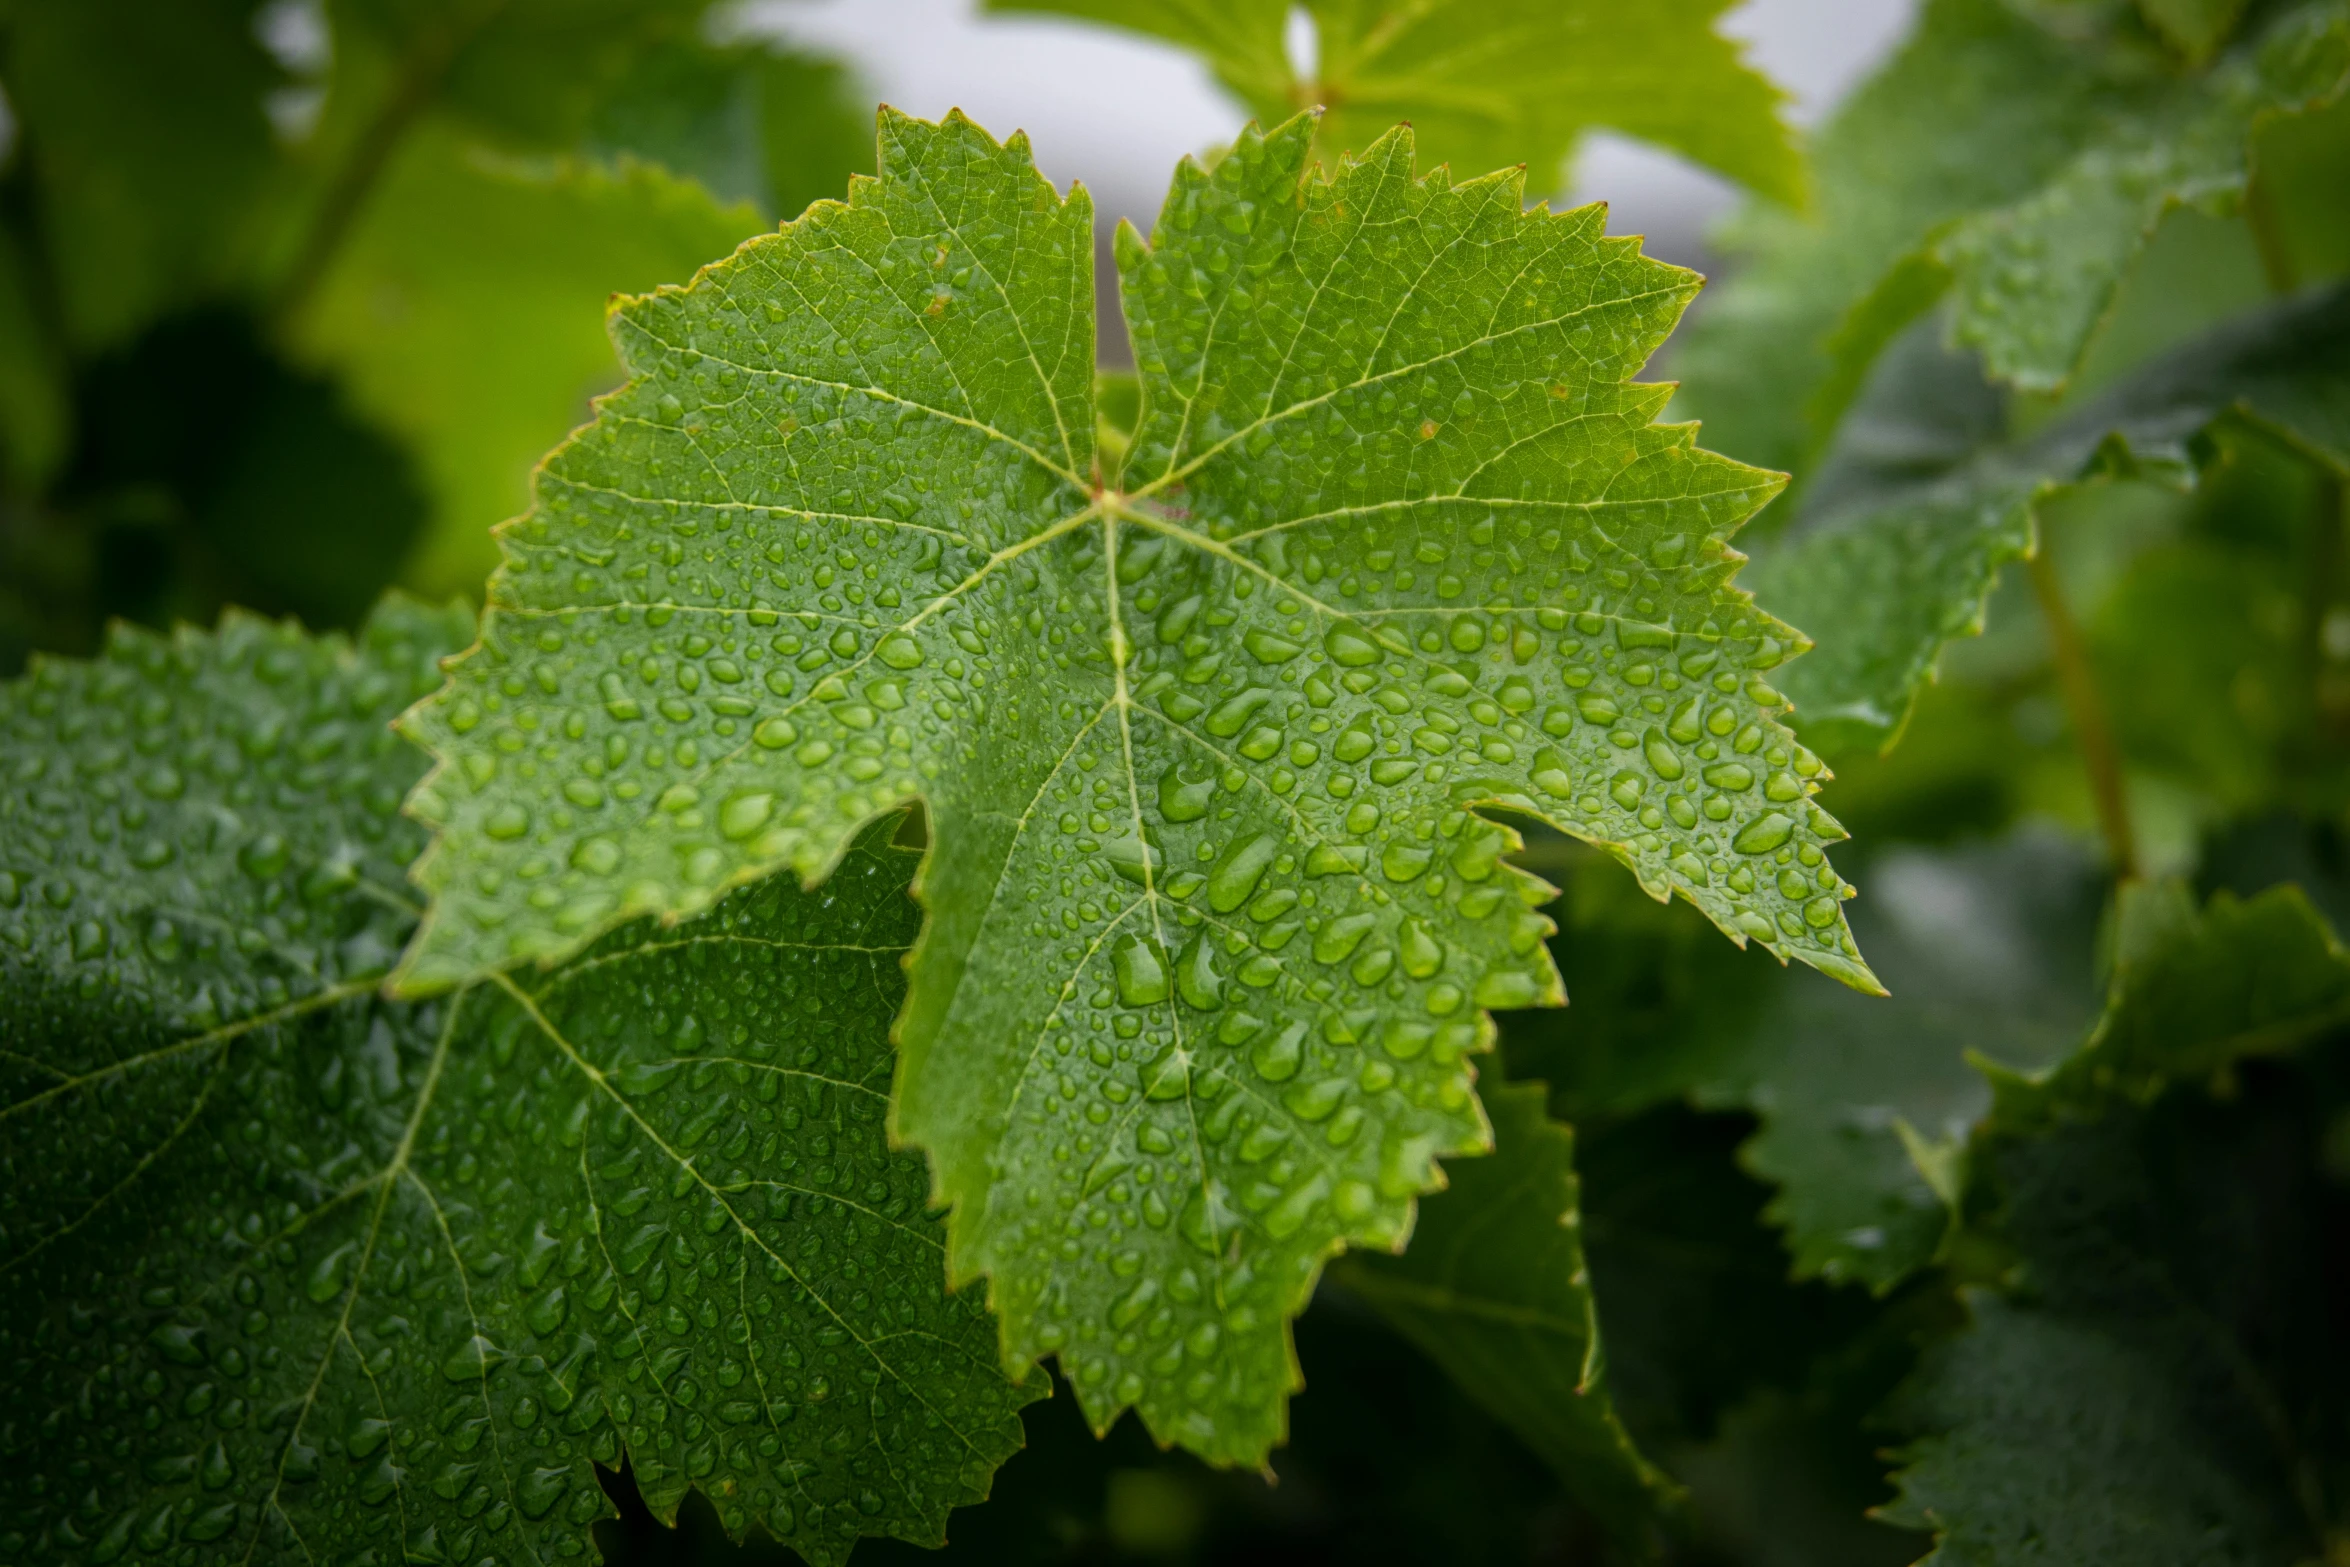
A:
(346, 194)
(2086, 706)
(2319, 586)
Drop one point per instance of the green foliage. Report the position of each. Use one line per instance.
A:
(663, 1154)
(317, 1272)
(2193, 993)
(2016, 170)
(1865, 1109)
(1495, 1289)
(2166, 1385)
(1910, 560)
(1487, 84)
(427, 207)
(150, 158)
(901, 550)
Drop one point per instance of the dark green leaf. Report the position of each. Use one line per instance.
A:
(142, 136)
(2166, 1383)
(1866, 1103)
(1495, 1289)
(293, 1271)
(2193, 993)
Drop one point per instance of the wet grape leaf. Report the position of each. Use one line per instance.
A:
(1213, 926)
(2162, 1383)
(2016, 172)
(466, 313)
(1902, 565)
(297, 1272)
(1494, 1287)
(1490, 83)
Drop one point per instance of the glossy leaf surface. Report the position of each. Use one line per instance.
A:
(1212, 926)
(293, 1271)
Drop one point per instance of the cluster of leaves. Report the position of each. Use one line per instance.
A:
(937, 861)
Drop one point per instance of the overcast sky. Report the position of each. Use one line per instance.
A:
(1117, 111)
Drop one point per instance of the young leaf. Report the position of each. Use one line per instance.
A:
(2021, 174)
(1489, 83)
(2166, 1387)
(317, 1274)
(1495, 1289)
(1212, 926)
(1899, 568)
(1866, 1108)
(465, 312)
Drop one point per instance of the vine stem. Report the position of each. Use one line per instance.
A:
(2086, 706)
(346, 194)
(2276, 257)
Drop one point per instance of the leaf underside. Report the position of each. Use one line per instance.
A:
(1212, 926)
(294, 1272)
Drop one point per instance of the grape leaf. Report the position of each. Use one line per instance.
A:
(1495, 1289)
(296, 1271)
(2165, 1385)
(1899, 568)
(1987, 950)
(465, 313)
(2193, 993)
(1490, 83)
(2018, 173)
(1656, 1003)
(1976, 110)
(841, 542)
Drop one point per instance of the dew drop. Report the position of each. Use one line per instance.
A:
(1142, 974)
